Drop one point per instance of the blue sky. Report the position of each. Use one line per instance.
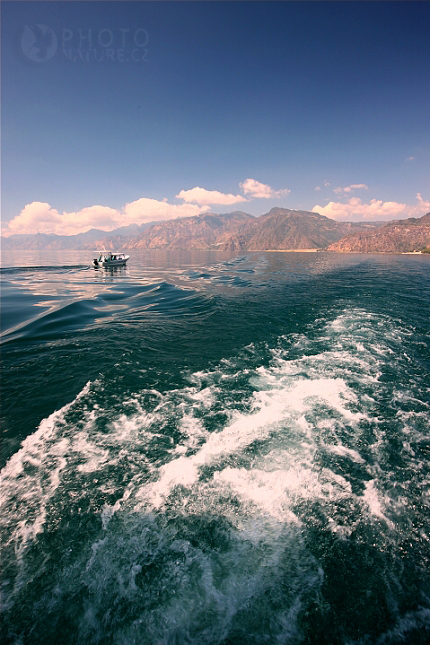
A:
(114, 112)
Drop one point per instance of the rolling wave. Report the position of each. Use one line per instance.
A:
(43, 269)
(127, 304)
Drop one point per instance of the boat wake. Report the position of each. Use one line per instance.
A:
(267, 497)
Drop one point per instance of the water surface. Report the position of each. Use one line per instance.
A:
(216, 448)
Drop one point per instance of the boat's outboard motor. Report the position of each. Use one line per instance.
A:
(96, 262)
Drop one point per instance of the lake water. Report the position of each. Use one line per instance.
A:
(208, 448)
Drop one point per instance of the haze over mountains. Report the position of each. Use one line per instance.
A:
(88, 240)
(280, 229)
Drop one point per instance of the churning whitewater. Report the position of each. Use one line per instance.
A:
(276, 494)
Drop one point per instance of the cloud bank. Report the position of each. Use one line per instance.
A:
(41, 217)
(258, 190)
(376, 209)
(203, 196)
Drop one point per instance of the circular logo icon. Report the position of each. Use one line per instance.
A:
(39, 43)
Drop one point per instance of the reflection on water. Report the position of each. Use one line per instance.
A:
(44, 282)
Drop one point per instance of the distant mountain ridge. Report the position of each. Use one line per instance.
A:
(52, 241)
(282, 229)
(397, 236)
(279, 229)
(206, 231)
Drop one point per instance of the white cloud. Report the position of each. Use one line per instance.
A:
(203, 196)
(326, 183)
(152, 210)
(40, 217)
(350, 188)
(257, 190)
(421, 208)
(376, 209)
(410, 158)
(317, 187)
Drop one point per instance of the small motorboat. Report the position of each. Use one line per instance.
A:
(108, 259)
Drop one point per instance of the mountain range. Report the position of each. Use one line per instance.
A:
(398, 236)
(279, 229)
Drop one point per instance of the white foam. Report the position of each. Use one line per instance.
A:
(371, 497)
(194, 430)
(284, 404)
(94, 455)
(29, 481)
(272, 492)
(205, 396)
(42, 450)
(343, 451)
(108, 512)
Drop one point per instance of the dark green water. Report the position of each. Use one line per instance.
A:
(216, 449)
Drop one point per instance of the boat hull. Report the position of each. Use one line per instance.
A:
(108, 265)
(109, 260)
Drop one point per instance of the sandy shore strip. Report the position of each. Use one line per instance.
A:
(290, 250)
